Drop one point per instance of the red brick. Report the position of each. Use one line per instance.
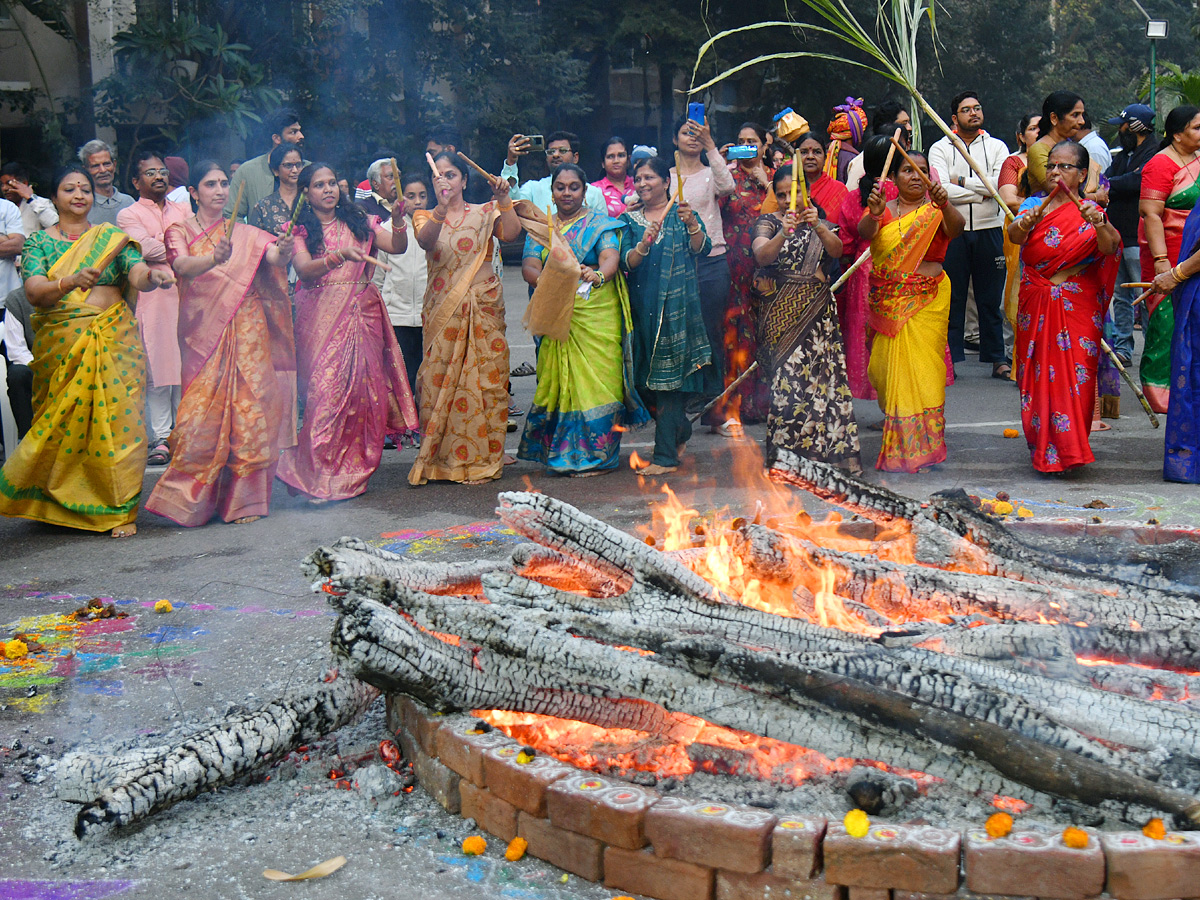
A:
(1129, 531)
(772, 886)
(522, 785)
(607, 809)
(641, 872)
(421, 722)
(1032, 863)
(462, 751)
(491, 813)
(441, 783)
(796, 846)
(1140, 868)
(866, 893)
(1167, 534)
(737, 838)
(575, 853)
(959, 895)
(1055, 527)
(909, 857)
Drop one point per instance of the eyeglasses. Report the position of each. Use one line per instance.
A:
(1066, 167)
(152, 173)
(970, 109)
(295, 165)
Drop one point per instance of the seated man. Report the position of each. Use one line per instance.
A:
(561, 147)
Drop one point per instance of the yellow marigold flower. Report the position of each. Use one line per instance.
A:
(999, 824)
(1011, 433)
(474, 845)
(857, 823)
(15, 649)
(1075, 838)
(1004, 508)
(516, 849)
(1023, 513)
(1154, 829)
(163, 606)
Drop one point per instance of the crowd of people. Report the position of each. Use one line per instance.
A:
(242, 323)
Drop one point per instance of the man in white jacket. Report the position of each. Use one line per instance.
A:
(977, 255)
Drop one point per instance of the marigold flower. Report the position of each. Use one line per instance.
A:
(15, 649)
(516, 849)
(999, 824)
(1023, 513)
(1003, 508)
(163, 606)
(474, 845)
(857, 823)
(1154, 829)
(1075, 838)
(1011, 433)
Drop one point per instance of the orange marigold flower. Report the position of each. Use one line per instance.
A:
(999, 824)
(1011, 433)
(1154, 829)
(1075, 838)
(474, 845)
(516, 849)
(857, 823)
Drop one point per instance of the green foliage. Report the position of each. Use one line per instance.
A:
(1173, 87)
(180, 79)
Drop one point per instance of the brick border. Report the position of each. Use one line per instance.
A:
(1124, 529)
(634, 839)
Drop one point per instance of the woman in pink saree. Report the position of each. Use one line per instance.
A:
(239, 363)
(349, 364)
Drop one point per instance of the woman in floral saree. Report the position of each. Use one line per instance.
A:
(585, 395)
(1170, 189)
(81, 463)
(348, 361)
(909, 312)
(239, 363)
(464, 372)
(1070, 263)
(812, 412)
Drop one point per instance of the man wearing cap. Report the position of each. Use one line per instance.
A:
(1136, 126)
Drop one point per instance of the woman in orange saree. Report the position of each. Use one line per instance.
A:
(909, 310)
(239, 363)
(82, 462)
(464, 373)
(347, 358)
(1070, 266)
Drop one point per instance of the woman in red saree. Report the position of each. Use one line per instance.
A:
(909, 310)
(239, 363)
(347, 358)
(1070, 258)
(751, 400)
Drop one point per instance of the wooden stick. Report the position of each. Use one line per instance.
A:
(233, 218)
(395, 177)
(795, 182)
(679, 172)
(908, 159)
(798, 178)
(492, 179)
(1140, 285)
(1050, 196)
(750, 369)
(434, 169)
(1112, 357)
(845, 276)
(373, 261)
(887, 166)
(300, 201)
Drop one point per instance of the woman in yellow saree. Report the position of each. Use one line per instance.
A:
(464, 368)
(82, 462)
(909, 309)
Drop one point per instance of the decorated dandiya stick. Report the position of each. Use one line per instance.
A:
(236, 205)
(1112, 357)
(492, 179)
(300, 201)
(908, 159)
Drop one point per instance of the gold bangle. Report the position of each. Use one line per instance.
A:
(1177, 275)
(61, 292)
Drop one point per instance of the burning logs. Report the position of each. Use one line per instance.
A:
(123, 789)
(640, 640)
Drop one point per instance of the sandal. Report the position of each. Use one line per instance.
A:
(1003, 371)
(730, 428)
(523, 369)
(159, 455)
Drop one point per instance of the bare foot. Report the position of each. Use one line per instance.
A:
(510, 460)
(654, 469)
(124, 531)
(246, 520)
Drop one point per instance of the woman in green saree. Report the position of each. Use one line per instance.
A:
(585, 394)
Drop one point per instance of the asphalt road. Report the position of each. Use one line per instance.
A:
(246, 626)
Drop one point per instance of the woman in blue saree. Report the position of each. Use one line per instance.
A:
(1181, 461)
(585, 396)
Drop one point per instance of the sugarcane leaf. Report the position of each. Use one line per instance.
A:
(793, 54)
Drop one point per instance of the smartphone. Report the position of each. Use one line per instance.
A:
(536, 142)
(696, 112)
(742, 151)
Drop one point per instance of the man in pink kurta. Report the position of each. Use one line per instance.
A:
(157, 311)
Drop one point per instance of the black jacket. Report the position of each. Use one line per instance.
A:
(1125, 189)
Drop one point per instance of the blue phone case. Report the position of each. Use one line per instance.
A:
(696, 112)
